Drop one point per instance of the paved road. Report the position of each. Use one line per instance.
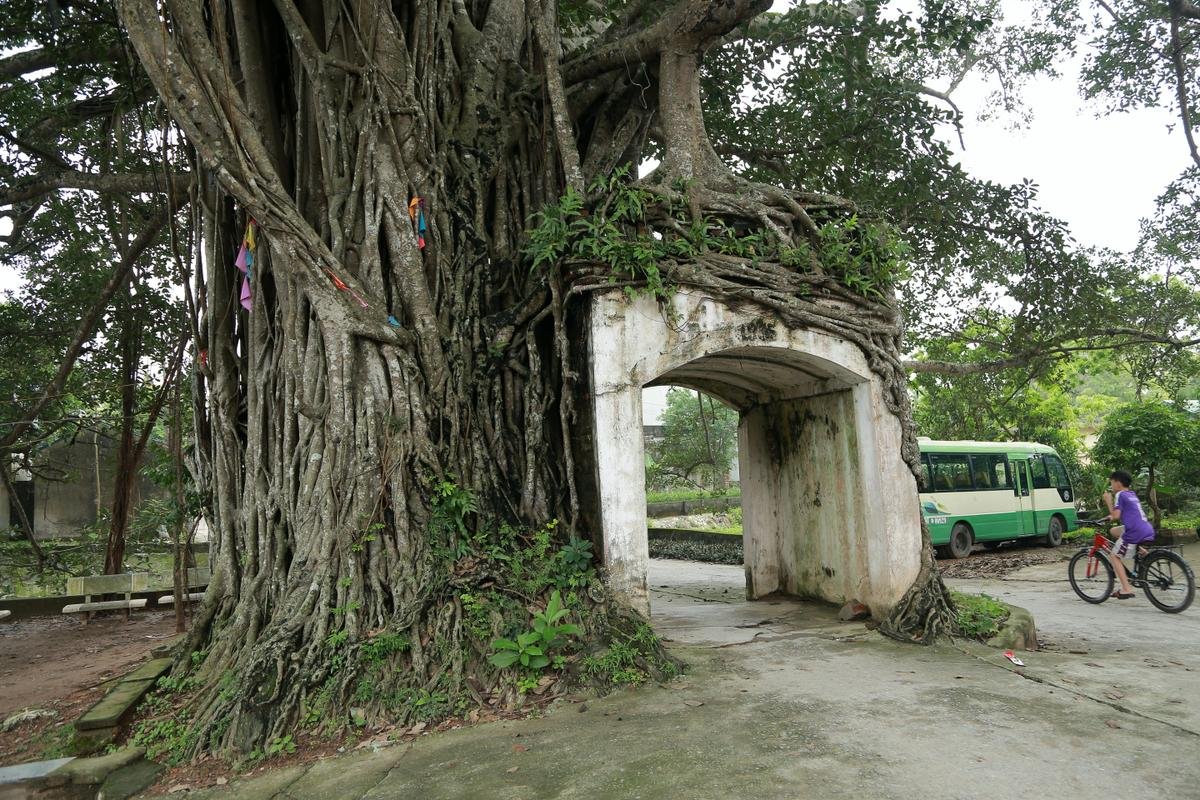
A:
(785, 701)
(1125, 647)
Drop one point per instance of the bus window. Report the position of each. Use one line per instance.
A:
(991, 471)
(1058, 473)
(1037, 468)
(951, 472)
(928, 475)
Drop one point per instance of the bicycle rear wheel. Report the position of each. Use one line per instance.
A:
(1091, 576)
(1170, 584)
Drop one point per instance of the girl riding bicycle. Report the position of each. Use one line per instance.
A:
(1133, 531)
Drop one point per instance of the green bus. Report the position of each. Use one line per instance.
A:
(992, 492)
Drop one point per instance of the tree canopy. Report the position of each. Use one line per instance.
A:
(698, 445)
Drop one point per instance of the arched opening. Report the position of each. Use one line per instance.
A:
(830, 509)
(693, 491)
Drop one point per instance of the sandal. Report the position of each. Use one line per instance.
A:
(1121, 595)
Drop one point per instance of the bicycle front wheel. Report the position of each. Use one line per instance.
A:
(1170, 584)
(1091, 576)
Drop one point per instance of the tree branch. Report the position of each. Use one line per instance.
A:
(692, 24)
(88, 108)
(115, 183)
(44, 58)
(1181, 94)
(1047, 351)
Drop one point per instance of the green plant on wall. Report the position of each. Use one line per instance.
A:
(612, 226)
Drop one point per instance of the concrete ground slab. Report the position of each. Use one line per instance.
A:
(798, 705)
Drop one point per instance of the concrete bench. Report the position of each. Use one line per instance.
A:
(197, 578)
(89, 586)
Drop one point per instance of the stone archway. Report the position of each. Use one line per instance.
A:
(830, 508)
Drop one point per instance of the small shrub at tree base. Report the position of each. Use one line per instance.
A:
(979, 615)
(627, 661)
(532, 649)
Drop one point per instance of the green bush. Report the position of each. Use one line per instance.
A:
(710, 553)
(678, 495)
(979, 615)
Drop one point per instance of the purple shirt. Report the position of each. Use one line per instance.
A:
(1137, 529)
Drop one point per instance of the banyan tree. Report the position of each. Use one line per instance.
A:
(403, 212)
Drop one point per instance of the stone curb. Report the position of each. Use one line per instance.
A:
(113, 776)
(100, 724)
(1017, 633)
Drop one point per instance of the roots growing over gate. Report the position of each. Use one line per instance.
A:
(386, 437)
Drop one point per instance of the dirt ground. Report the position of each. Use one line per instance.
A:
(60, 664)
(999, 563)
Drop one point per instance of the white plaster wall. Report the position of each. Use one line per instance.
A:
(862, 541)
(760, 506)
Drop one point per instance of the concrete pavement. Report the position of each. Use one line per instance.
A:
(785, 701)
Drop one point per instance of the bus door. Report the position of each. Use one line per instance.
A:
(1027, 525)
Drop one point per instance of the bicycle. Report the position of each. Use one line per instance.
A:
(1166, 579)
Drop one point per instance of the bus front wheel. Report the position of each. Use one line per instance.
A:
(1054, 535)
(961, 541)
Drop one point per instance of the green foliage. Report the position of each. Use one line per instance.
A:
(611, 227)
(316, 707)
(675, 495)
(526, 650)
(548, 624)
(532, 648)
(1156, 437)
(453, 505)
(1182, 520)
(384, 645)
(176, 684)
(626, 661)
(284, 745)
(575, 564)
(979, 615)
(698, 445)
(168, 740)
(869, 258)
(610, 231)
(999, 406)
(618, 666)
(1143, 435)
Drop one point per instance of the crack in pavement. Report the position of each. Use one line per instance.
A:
(1079, 693)
(408, 749)
(729, 601)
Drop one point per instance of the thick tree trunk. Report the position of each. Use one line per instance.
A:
(1152, 494)
(393, 421)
